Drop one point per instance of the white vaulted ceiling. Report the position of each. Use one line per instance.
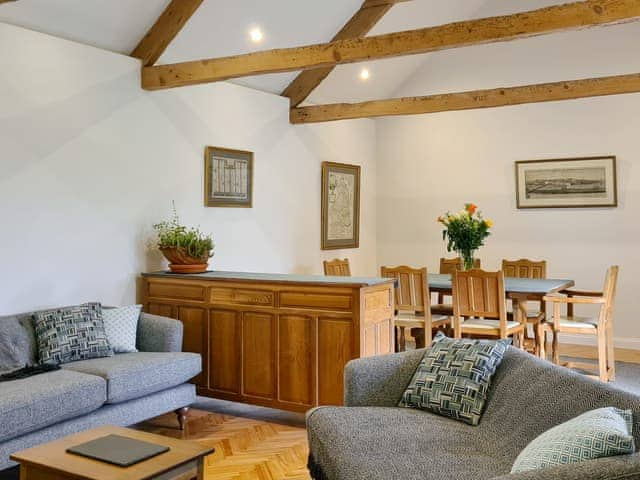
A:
(220, 28)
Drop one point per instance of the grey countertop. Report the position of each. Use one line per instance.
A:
(512, 285)
(275, 278)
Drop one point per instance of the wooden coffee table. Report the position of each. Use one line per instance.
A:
(50, 461)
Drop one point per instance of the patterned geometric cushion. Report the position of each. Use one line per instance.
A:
(453, 377)
(604, 432)
(121, 327)
(69, 334)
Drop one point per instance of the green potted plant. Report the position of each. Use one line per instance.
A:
(187, 249)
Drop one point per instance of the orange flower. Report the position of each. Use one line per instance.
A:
(470, 208)
(440, 219)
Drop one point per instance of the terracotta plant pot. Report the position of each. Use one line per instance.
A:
(181, 262)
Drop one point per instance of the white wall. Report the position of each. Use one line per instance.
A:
(433, 163)
(89, 162)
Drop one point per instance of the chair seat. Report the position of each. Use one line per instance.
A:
(412, 320)
(487, 324)
(576, 322)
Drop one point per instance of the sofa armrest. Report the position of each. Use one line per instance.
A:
(610, 468)
(159, 334)
(379, 381)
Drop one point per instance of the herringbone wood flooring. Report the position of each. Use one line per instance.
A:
(245, 449)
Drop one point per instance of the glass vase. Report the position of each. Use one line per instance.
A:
(467, 258)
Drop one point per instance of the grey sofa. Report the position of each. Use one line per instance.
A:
(120, 390)
(373, 439)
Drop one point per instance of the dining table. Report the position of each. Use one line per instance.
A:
(518, 290)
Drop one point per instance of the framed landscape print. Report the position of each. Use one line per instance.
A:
(228, 178)
(566, 183)
(340, 206)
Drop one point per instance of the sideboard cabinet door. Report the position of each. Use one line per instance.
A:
(259, 355)
(225, 359)
(194, 338)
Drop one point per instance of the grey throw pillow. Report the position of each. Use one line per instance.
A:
(604, 432)
(453, 377)
(121, 327)
(17, 342)
(70, 334)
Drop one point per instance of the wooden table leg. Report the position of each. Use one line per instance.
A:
(200, 469)
(402, 339)
(542, 339)
(520, 315)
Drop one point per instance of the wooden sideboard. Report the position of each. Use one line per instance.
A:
(280, 341)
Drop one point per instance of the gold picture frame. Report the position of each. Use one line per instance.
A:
(228, 178)
(340, 206)
(586, 182)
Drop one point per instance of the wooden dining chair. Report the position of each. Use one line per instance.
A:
(525, 268)
(337, 267)
(480, 306)
(448, 266)
(412, 306)
(600, 326)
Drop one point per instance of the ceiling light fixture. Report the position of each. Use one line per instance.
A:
(365, 74)
(256, 35)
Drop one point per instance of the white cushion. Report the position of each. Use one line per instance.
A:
(577, 322)
(121, 327)
(487, 323)
(411, 317)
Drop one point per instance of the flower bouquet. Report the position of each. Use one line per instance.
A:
(465, 232)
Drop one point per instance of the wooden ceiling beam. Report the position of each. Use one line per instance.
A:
(496, 97)
(557, 18)
(168, 25)
(358, 26)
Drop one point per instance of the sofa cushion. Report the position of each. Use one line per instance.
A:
(69, 334)
(133, 375)
(121, 327)
(382, 443)
(17, 342)
(604, 432)
(454, 376)
(42, 400)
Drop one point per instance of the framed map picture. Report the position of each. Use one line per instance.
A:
(567, 182)
(228, 178)
(340, 206)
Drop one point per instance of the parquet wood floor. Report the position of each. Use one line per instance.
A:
(245, 449)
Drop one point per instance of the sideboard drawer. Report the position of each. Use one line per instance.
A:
(235, 296)
(316, 301)
(176, 291)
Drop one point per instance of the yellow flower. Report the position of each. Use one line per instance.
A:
(488, 222)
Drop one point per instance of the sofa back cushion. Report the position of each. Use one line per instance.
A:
(69, 334)
(529, 396)
(454, 377)
(17, 342)
(604, 432)
(121, 327)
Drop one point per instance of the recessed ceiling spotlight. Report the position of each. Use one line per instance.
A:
(256, 35)
(364, 74)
